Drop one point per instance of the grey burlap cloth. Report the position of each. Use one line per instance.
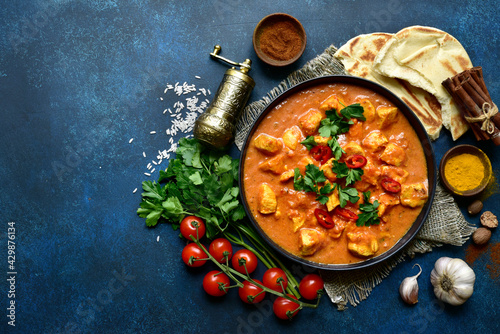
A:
(445, 223)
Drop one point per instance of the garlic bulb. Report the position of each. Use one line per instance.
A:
(453, 280)
(409, 288)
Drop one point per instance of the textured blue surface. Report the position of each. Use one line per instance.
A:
(78, 79)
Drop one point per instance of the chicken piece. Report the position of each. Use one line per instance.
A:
(332, 102)
(291, 137)
(352, 148)
(267, 144)
(267, 200)
(356, 130)
(413, 195)
(304, 162)
(310, 240)
(333, 200)
(393, 155)
(396, 173)
(310, 121)
(339, 227)
(375, 140)
(362, 185)
(327, 170)
(298, 219)
(370, 173)
(320, 140)
(362, 244)
(274, 165)
(289, 174)
(387, 116)
(369, 109)
(386, 201)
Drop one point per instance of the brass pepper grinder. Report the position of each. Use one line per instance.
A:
(216, 126)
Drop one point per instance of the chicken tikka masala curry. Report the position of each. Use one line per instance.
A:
(335, 174)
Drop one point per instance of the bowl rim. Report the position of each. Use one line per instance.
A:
(471, 149)
(419, 130)
(256, 37)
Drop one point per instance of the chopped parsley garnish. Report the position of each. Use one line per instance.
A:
(369, 212)
(311, 182)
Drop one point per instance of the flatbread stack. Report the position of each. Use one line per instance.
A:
(412, 64)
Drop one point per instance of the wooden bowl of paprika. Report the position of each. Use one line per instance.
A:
(279, 39)
(465, 170)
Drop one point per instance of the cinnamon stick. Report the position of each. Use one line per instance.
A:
(470, 94)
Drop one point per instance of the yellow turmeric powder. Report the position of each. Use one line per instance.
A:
(464, 172)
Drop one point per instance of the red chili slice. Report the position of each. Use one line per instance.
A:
(324, 218)
(390, 185)
(321, 153)
(345, 213)
(355, 161)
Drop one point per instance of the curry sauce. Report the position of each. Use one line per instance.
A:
(386, 141)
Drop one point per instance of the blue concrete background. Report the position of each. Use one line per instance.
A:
(79, 79)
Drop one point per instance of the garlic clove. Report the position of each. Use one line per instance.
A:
(408, 289)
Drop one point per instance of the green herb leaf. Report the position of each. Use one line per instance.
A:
(369, 212)
(309, 142)
(333, 124)
(340, 169)
(337, 151)
(347, 194)
(196, 179)
(353, 175)
(310, 182)
(353, 111)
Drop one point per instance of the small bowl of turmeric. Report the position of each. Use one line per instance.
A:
(465, 170)
(279, 39)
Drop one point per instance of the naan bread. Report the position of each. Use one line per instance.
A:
(425, 57)
(358, 55)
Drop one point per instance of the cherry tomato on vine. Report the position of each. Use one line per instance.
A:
(220, 248)
(355, 161)
(310, 285)
(321, 153)
(246, 256)
(324, 218)
(188, 227)
(193, 251)
(345, 213)
(285, 308)
(214, 282)
(251, 293)
(272, 278)
(390, 185)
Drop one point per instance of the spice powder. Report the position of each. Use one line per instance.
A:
(464, 172)
(280, 41)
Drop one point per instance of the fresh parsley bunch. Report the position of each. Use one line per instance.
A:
(197, 182)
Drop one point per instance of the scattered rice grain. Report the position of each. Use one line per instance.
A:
(131, 140)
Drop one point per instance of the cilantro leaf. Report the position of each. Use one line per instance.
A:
(353, 175)
(310, 182)
(369, 212)
(152, 190)
(309, 142)
(353, 111)
(197, 182)
(223, 165)
(347, 194)
(333, 124)
(189, 150)
(337, 151)
(196, 178)
(340, 169)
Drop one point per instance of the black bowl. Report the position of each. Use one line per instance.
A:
(421, 133)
